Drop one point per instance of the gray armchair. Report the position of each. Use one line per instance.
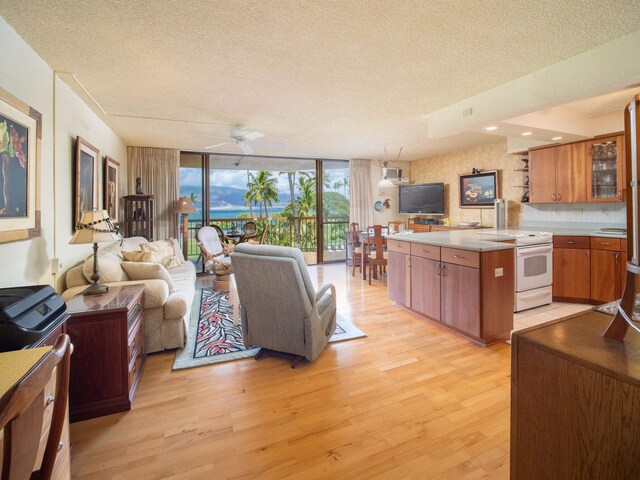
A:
(281, 311)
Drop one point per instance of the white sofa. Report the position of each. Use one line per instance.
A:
(168, 292)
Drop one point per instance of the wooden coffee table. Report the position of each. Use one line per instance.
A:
(107, 332)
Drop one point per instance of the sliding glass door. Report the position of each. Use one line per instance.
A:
(280, 195)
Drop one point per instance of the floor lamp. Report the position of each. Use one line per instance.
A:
(184, 205)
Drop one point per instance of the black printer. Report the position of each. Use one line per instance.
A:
(28, 314)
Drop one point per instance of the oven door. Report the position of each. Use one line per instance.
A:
(534, 267)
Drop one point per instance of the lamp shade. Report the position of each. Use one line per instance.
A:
(94, 227)
(184, 205)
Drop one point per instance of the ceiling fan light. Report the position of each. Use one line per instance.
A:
(385, 183)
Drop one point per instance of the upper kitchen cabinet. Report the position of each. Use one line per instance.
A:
(558, 174)
(605, 169)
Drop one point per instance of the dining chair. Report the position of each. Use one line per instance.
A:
(258, 237)
(249, 229)
(394, 226)
(22, 409)
(356, 245)
(377, 255)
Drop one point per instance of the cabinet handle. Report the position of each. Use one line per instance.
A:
(588, 253)
(559, 197)
(442, 268)
(459, 256)
(438, 267)
(571, 243)
(408, 262)
(617, 258)
(425, 251)
(553, 197)
(50, 399)
(60, 445)
(605, 244)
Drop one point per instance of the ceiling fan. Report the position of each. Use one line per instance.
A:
(244, 138)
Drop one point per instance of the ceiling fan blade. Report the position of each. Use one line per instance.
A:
(216, 145)
(267, 143)
(246, 148)
(253, 135)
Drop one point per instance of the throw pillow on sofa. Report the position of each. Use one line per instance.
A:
(163, 252)
(108, 267)
(148, 271)
(138, 256)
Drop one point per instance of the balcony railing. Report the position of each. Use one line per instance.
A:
(282, 232)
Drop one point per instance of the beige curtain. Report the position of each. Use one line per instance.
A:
(159, 169)
(360, 191)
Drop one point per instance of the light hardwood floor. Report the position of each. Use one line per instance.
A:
(411, 400)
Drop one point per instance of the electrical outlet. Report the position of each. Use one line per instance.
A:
(499, 272)
(56, 266)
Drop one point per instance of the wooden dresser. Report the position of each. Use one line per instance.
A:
(575, 401)
(107, 332)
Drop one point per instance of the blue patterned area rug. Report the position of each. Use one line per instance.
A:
(214, 339)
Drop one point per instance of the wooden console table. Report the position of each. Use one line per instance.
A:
(575, 401)
(107, 332)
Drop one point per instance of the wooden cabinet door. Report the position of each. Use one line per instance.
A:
(425, 287)
(572, 274)
(542, 175)
(398, 278)
(605, 275)
(461, 298)
(571, 173)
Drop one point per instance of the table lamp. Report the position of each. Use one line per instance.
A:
(94, 227)
(185, 206)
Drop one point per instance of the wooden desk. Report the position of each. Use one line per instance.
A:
(575, 401)
(13, 366)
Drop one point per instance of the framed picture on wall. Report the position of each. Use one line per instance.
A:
(111, 190)
(478, 190)
(20, 139)
(86, 191)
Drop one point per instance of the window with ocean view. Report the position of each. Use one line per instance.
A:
(279, 194)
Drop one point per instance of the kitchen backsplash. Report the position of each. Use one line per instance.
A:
(570, 215)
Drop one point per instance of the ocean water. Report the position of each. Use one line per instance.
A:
(233, 213)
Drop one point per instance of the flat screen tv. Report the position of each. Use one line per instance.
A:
(424, 198)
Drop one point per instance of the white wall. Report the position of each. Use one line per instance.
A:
(26, 76)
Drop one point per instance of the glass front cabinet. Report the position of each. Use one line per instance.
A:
(605, 173)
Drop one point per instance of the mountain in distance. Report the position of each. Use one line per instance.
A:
(223, 196)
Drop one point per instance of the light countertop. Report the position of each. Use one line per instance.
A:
(462, 239)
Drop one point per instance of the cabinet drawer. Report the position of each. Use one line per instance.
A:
(398, 246)
(425, 251)
(135, 342)
(457, 256)
(604, 243)
(134, 369)
(571, 242)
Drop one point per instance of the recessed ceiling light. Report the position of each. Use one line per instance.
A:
(556, 138)
(490, 128)
(526, 134)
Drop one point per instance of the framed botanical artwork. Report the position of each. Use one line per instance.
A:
(86, 191)
(111, 190)
(478, 190)
(20, 145)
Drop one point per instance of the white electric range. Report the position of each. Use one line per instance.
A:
(533, 267)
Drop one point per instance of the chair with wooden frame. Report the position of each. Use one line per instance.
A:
(215, 253)
(396, 225)
(249, 230)
(258, 237)
(377, 255)
(22, 409)
(356, 244)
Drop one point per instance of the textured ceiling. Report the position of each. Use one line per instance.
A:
(334, 79)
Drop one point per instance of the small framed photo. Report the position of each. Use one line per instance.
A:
(111, 190)
(478, 190)
(86, 191)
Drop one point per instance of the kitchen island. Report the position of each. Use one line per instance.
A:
(459, 279)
